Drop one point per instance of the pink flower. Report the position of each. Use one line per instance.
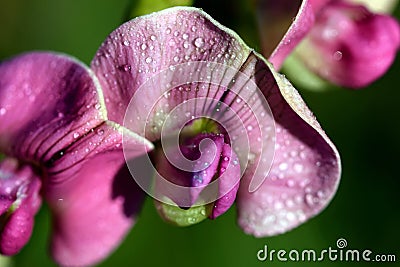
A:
(338, 40)
(249, 137)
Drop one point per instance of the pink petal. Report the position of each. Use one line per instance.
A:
(97, 201)
(144, 46)
(52, 114)
(229, 173)
(305, 171)
(47, 101)
(282, 25)
(128, 63)
(20, 200)
(350, 46)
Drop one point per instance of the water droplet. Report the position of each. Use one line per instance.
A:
(249, 128)
(298, 167)
(185, 36)
(149, 60)
(168, 31)
(152, 37)
(283, 166)
(100, 131)
(337, 55)
(143, 46)
(290, 183)
(309, 200)
(76, 135)
(199, 42)
(125, 67)
(97, 106)
(185, 45)
(126, 43)
(194, 28)
(176, 58)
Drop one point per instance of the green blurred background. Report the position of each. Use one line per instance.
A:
(364, 125)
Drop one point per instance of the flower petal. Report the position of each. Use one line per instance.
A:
(144, 46)
(47, 101)
(160, 42)
(93, 198)
(305, 171)
(19, 200)
(282, 25)
(229, 173)
(53, 115)
(349, 45)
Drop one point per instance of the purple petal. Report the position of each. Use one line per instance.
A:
(350, 46)
(19, 200)
(305, 170)
(97, 201)
(47, 101)
(282, 25)
(141, 48)
(146, 45)
(229, 173)
(53, 115)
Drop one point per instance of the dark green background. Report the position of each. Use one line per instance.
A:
(364, 125)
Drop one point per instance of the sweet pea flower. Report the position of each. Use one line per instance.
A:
(59, 146)
(341, 41)
(189, 105)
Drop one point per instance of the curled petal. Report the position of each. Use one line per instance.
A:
(230, 170)
(305, 171)
(282, 25)
(92, 196)
(349, 45)
(47, 101)
(19, 200)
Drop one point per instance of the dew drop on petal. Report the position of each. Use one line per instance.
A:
(126, 43)
(337, 55)
(76, 135)
(143, 46)
(149, 60)
(199, 42)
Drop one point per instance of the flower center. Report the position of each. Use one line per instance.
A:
(199, 164)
